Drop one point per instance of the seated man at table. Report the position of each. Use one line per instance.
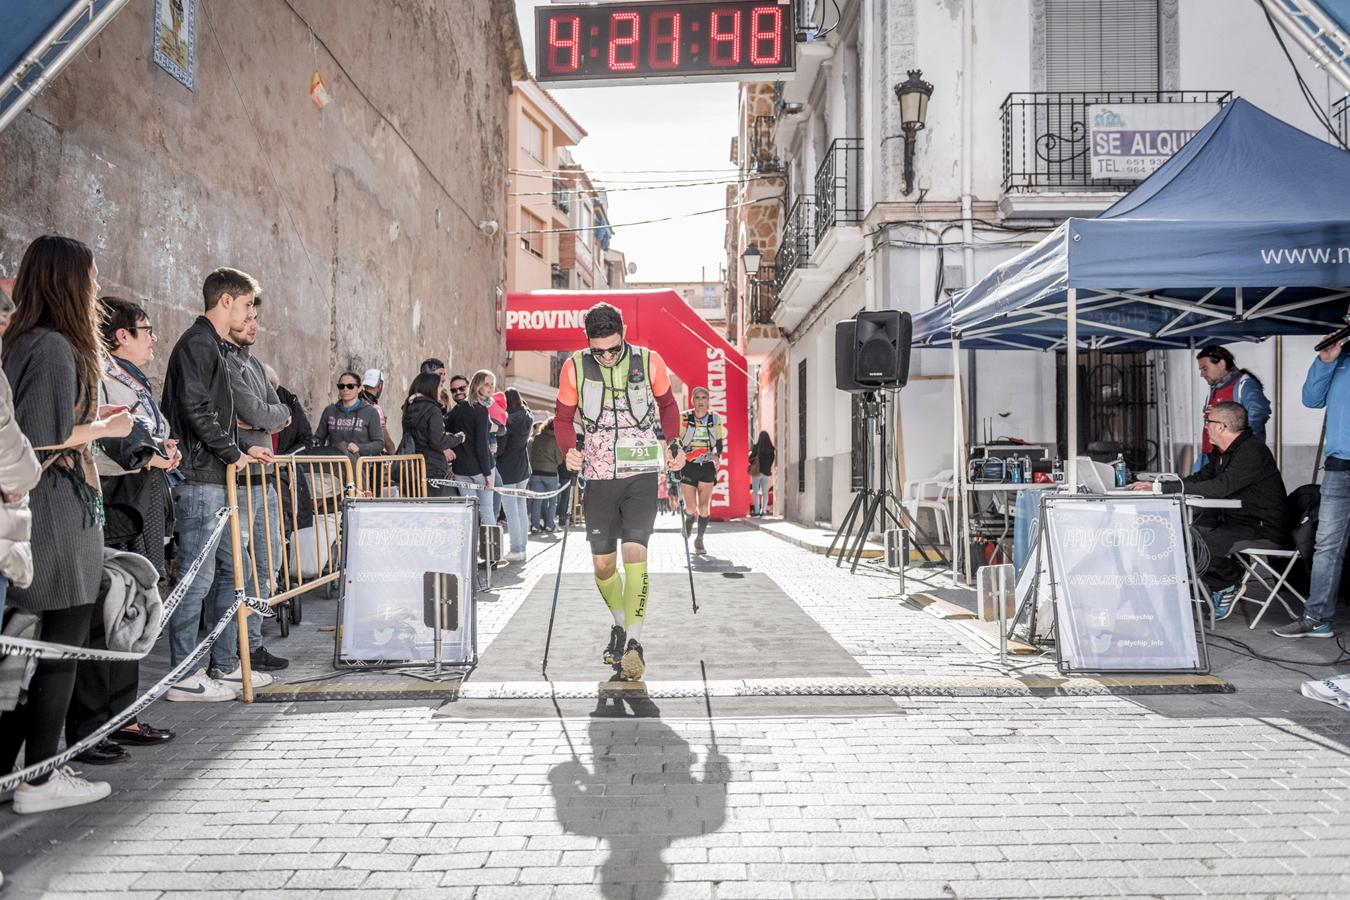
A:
(1241, 468)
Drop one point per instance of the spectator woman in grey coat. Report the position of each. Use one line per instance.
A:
(53, 361)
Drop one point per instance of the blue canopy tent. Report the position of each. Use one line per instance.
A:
(1243, 234)
(38, 39)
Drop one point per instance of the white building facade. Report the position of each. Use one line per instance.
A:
(1001, 160)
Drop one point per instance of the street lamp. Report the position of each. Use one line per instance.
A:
(750, 259)
(913, 94)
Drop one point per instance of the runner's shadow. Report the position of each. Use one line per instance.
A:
(640, 795)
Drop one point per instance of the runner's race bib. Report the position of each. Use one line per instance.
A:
(633, 456)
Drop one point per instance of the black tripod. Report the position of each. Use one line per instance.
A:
(877, 507)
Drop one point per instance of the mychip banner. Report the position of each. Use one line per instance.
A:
(390, 546)
(1121, 584)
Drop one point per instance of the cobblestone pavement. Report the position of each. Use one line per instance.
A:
(945, 798)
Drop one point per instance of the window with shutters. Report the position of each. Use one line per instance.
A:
(1102, 45)
(532, 137)
(531, 233)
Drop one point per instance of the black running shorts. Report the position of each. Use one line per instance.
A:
(699, 473)
(620, 509)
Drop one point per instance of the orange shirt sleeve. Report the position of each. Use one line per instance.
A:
(660, 375)
(567, 383)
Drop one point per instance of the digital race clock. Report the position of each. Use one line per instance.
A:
(663, 41)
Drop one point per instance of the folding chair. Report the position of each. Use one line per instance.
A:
(1256, 557)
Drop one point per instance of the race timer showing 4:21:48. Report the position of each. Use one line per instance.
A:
(663, 41)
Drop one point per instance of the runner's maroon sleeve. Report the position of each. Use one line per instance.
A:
(670, 415)
(564, 429)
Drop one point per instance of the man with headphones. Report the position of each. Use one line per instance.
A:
(1230, 384)
(622, 393)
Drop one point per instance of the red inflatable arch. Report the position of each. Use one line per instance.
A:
(694, 352)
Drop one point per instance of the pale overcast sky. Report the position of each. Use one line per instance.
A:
(663, 127)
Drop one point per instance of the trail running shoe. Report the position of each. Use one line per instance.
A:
(1305, 628)
(633, 666)
(1223, 601)
(614, 652)
(698, 545)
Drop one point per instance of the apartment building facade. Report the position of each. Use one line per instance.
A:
(1000, 160)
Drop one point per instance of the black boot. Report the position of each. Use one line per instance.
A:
(614, 652)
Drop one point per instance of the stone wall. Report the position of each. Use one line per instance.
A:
(360, 219)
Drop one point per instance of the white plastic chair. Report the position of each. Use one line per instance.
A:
(933, 494)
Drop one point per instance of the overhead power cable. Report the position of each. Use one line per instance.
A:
(641, 187)
(617, 225)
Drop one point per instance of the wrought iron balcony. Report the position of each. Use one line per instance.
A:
(839, 185)
(1045, 136)
(763, 159)
(1340, 112)
(799, 239)
(562, 197)
(763, 295)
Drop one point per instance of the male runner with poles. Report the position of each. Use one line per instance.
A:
(621, 391)
(701, 437)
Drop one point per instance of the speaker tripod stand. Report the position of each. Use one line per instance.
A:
(878, 508)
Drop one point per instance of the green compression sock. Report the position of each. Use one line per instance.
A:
(611, 589)
(634, 598)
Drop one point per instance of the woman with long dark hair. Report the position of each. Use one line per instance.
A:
(513, 462)
(424, 422)
(53, 360)
(761, 471)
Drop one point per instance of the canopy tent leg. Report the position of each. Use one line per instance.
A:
(1071, 363)
(958, 490)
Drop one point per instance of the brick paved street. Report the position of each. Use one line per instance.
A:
(1243, 794)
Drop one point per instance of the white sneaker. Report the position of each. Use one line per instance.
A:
(64, 788)
(515, 557)
(235, 680)
(201, 688)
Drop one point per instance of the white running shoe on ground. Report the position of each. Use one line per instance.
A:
(235, 680)
(515, 557)
(201, 688)
(64, 788)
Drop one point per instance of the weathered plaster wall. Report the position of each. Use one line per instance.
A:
(353, 231)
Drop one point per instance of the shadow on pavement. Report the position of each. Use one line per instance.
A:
(640, 795)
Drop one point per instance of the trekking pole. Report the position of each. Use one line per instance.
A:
(688, 560)
(557, 584)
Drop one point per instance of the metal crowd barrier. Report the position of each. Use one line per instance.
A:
(301, 552)
(392, 476)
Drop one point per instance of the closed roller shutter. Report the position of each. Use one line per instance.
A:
(1101, 45)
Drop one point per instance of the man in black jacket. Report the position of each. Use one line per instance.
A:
(1241, 469)
(200, 409)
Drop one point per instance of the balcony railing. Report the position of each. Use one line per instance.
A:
(763, 295)
(799, 239)
(1045, 136)
(1340, 112)
(839, 185)
(763, 159)
(562, 197)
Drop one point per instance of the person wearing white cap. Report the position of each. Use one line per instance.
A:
(372, 385)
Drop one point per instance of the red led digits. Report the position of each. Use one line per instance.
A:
(568, 49)
(663, 42)
(766, 28)
(724, 45)
(623, 47)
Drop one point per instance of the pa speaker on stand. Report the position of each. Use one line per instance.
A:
(871, 357)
